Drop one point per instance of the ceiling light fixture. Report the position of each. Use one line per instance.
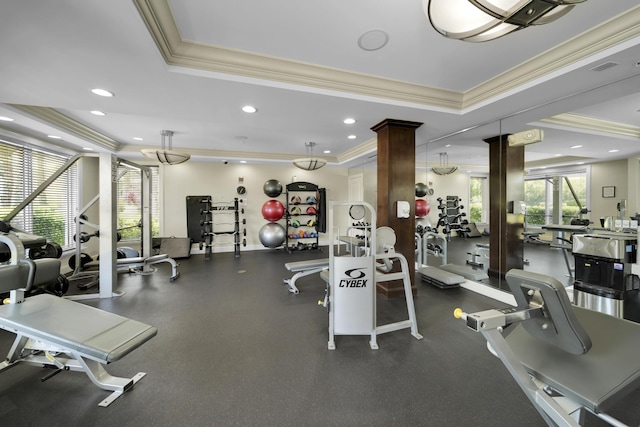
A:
(349, 121)
(166, 155)
(5, 119)
(98, 113)
(444, 168)
(351, 137)
(576, 146)
(309, 163)
(249, 109)
(483, 20)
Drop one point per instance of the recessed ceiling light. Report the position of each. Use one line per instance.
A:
(87, 148)
(6, 119)
(613, 151)
(327, 151)
(102, 92)
(351, 137)
(349, 121)
(557, 155)
(576, 146)
(54, 136)
(580, 163)
(243, 161)
(137, 138)
(98, 113)
(448, 145)
(249, 109)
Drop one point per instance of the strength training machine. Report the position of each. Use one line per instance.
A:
(568, 360)
(81, 338)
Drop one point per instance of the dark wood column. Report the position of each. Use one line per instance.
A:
(396, 181)
(506, 189)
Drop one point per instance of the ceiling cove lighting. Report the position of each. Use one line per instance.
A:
(483, 20)
(166, 155)
(309, 163)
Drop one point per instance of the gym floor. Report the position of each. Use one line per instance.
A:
(234, 347)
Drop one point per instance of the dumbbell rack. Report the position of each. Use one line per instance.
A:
(450, 214)
(208, 234)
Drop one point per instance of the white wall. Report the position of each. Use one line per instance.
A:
(220, 182)
(608, 174)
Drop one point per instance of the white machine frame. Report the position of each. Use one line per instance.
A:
(351, 292)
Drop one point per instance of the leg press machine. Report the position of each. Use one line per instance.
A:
(568, 360)
(63, 334)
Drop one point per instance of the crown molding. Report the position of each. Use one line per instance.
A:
(356, 152)
(617, 30)
(570, 120)
(55, 118)
(159, 20)
(232, 154)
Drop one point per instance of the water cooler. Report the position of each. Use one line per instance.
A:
(604, 280)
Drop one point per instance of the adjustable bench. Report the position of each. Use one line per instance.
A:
(63, 334)
(566, 359)
(304, 268)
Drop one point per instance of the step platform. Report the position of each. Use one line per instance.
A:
(440, 278)
(466, 272)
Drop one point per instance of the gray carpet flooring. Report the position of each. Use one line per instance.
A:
(235, 348)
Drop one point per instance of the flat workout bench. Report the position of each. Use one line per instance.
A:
(304, 268)
(52, 331)
(63, 334)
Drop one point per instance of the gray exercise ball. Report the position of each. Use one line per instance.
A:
(272, 188)
(421, 189)
(272, 235)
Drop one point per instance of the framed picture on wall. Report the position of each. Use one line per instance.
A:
(609, 191)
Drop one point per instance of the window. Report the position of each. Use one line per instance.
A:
(50, 214)
(129, 200)
(565, 189)
(478, 199)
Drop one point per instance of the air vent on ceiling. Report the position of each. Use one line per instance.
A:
(604, 66)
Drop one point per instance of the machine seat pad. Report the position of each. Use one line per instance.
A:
(310, 264)
(598, 379)
(94, 333)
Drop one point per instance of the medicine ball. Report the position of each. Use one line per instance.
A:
(272, 188)
(272, 210)
(295, 200)
(311, 200)
(311, 210)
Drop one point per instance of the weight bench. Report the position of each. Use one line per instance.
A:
(440, 278)
(481, 250)
(138, 265)
(304, 268)
(63, 334)
(566, 359)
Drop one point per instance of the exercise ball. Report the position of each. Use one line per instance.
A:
(272, 210)
(421, 189)
(272, 188)
(272, 235)
(422, 208)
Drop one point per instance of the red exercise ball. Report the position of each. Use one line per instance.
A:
(272, 210)
(422, 208)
